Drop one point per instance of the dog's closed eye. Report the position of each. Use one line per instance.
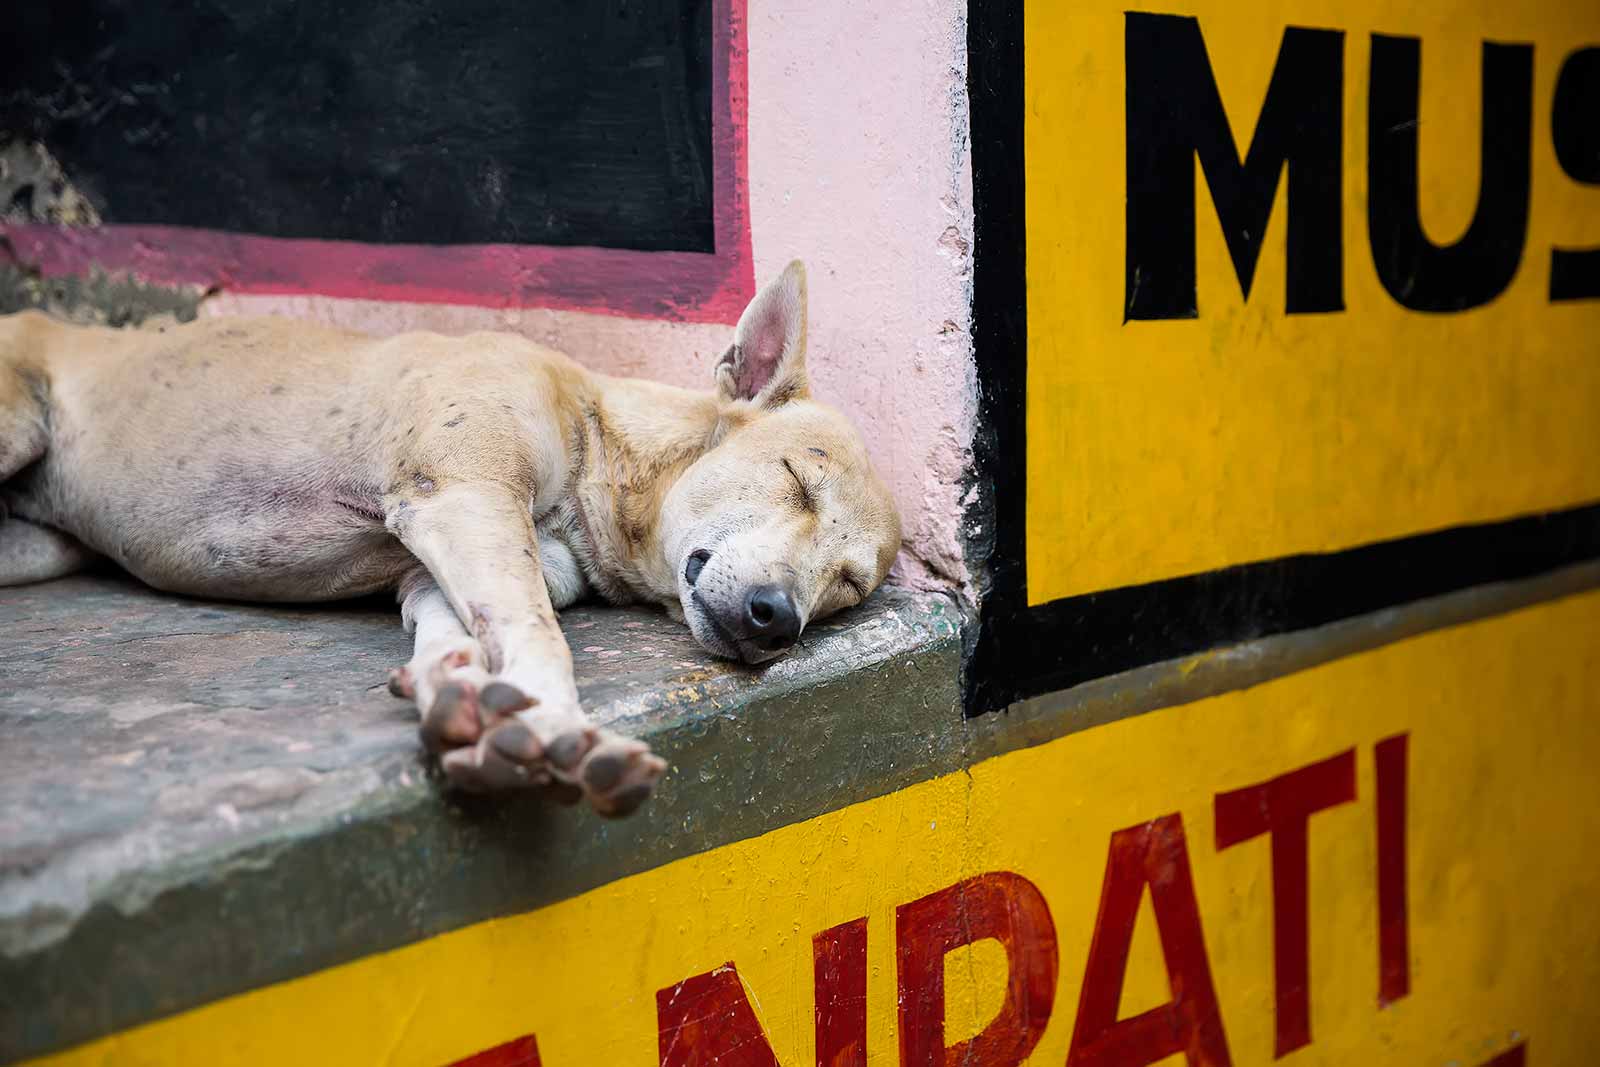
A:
(808, 499)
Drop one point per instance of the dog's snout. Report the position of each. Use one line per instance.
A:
(697, 563)
(772, 618)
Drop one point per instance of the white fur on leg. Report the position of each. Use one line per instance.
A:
(562, 575)
(443, 650)
(32, 553)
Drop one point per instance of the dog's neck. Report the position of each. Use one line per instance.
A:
(638, 438)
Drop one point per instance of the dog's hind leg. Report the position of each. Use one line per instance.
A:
(24, 389)
(28, 552)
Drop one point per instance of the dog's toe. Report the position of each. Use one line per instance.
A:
(507, 756)
(401, 684)
(515, 741)
(502, 698)
(452, 719)
(484, 769)
(619, 775)
(567, 749)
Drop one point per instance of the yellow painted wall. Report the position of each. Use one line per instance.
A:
(1157, 449)
(1504, 822)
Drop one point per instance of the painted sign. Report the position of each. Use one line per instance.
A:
(1296, 282)
(585, 156)
(1388, 859)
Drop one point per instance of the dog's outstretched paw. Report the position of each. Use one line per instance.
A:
(490, 736)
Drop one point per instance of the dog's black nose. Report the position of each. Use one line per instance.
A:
(772, 618)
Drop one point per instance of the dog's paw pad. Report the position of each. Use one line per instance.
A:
(619, 775)
(515, 741)
(502, 698)
(604, 770)
(483, 769)
(566, 750)
(452, 719)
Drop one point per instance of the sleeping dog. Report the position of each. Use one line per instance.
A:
(484, 479)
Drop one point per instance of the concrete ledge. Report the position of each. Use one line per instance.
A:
(203, 799)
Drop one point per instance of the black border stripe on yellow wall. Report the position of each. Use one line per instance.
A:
(1023, 651)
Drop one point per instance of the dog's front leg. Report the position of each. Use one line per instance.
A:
(519, 721)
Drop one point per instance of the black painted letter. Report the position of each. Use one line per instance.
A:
(1419, 274)
(1175, 113)
(1575, 275)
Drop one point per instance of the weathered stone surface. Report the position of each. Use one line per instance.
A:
(200, 798)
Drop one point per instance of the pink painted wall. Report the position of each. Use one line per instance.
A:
(858, 164)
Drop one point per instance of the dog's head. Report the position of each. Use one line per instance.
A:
(783, 521)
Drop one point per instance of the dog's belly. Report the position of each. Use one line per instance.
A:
(248, 540)
(290, 522)
(219, 461)
(319, 558)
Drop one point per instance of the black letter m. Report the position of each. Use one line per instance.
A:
(1175, 113)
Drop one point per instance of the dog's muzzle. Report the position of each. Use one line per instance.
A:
(761, 624)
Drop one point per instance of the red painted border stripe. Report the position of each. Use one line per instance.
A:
(681, 286)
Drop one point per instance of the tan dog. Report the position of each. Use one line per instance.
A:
(487, 480)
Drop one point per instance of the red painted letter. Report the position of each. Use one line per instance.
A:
(839, 966)
(1394, 952)
(999, 905)
(1153, 854)
(520, 1052)
(1515, 1056)
(1283, 808)
(706, 1020)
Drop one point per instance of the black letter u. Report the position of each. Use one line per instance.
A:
(1418, 273)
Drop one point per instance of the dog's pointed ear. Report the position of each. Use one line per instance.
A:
(767, 361)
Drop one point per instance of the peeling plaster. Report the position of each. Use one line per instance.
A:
(33, 188)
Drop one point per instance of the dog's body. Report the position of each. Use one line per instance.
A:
(487, 480)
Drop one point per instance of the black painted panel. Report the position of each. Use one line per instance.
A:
(555, 122)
